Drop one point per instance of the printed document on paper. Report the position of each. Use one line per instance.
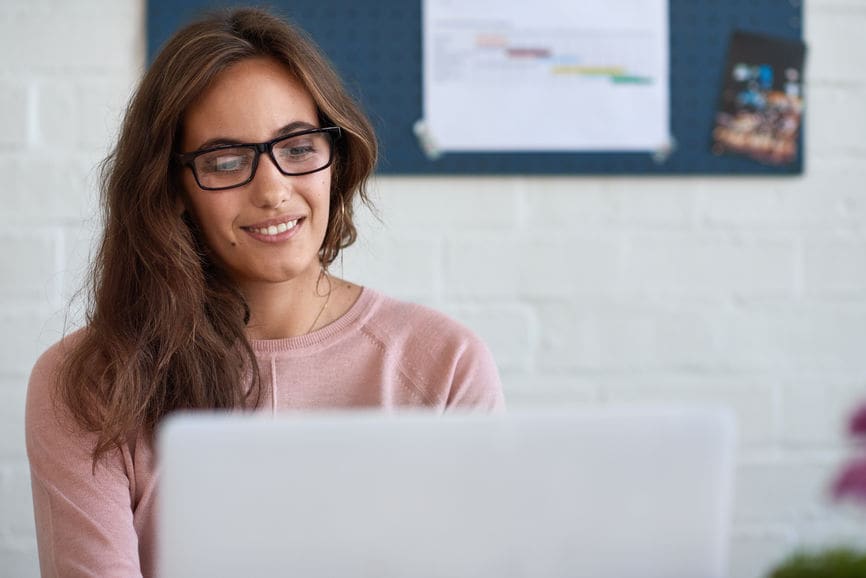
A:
(546, 75)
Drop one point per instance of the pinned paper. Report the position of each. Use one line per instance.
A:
(663, 153)
(546, 75)
(426, 140)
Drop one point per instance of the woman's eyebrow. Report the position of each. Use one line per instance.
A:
(295, 126)
(217, 141)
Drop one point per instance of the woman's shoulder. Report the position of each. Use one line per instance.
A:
(44, 377)
(409, 323)
(48, 364)
(439, 354)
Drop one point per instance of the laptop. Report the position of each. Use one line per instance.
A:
(610, 492)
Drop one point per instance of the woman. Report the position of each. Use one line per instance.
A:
(229, 193)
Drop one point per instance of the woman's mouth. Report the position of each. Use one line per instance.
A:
(274, 231)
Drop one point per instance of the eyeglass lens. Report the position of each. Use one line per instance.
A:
(229, 167)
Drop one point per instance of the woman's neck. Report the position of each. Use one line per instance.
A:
(297, 307)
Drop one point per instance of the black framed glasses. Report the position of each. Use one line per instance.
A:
(234, 165)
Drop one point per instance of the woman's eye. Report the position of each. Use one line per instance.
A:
(225, 163)
(297, 151)
(228, 163)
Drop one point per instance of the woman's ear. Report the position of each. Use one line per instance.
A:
(179, 205)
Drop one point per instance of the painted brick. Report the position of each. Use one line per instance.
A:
(43, 192)
(532, 389)
(833, 6)
(557, 203)
(624, 337)
(483, 267)
(30, 331)
(816, 411)
(701, 264)
(838, 130)
(554, 265)
(835, 265)
(826, 196)
(12, 395)
(16, 501)
(509, 331)
(568, 339)
(839, 61)
(79, 246)
(117, 10)
(14, 113)
(658, 203)
(20, 562)
(794, 337)
(102, 103)
(844, 527)
(783, 492)
(406, 268)
(29, 263)
(58, 116)
(753, 403)
(447, 204)
(681, 339)
(755, 551)
(49, 41)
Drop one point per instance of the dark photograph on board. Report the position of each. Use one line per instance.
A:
(761, 106)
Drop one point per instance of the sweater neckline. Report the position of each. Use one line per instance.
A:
(319, 336)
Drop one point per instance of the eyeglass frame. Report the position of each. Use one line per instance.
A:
(188, 159)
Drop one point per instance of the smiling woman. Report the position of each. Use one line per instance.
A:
(229, 193)
(245, 221)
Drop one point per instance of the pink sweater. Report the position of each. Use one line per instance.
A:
(381, 353)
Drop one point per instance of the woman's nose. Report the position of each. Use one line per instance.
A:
(269, 188)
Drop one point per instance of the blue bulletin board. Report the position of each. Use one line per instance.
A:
(376, 47)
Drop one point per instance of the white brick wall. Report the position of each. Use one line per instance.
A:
(747, 292)
(66, 72)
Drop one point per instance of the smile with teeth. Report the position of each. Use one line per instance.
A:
(274, 229)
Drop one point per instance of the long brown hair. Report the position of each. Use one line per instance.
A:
(165, 327)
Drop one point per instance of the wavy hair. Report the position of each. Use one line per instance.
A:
(166, 329)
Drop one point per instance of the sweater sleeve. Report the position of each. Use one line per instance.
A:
(444, 361)
(476, 385)
(84, 520)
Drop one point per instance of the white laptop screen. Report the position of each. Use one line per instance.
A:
(616, 492)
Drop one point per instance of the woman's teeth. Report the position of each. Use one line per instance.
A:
(275, 229)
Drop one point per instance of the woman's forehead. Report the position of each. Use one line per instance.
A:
(249, 100)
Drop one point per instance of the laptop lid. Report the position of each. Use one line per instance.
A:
(602, 493)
